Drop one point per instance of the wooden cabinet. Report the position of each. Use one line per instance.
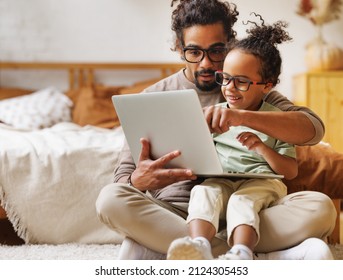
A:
(323, 93)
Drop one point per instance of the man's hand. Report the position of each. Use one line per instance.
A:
(152, 174)
(220, 119)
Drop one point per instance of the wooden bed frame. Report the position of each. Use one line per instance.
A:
(81, 74)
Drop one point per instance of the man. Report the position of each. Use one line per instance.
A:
(148, 202)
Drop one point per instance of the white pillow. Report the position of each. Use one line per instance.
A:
(40, 109)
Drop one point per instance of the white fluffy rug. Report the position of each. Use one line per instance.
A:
(82, 252)
(59, 252)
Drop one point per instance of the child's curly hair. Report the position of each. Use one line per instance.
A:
(262, 41)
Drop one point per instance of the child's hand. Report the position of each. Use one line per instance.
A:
(219, 119)
(252, 142)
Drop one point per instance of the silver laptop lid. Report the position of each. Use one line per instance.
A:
(170, 120)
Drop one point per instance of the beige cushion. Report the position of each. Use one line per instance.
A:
(93, 106)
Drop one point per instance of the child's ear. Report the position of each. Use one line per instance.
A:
(267, 88)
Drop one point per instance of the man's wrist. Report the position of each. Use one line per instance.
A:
(129, 182)
(245, 117)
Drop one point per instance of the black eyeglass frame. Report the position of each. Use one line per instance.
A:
(205, 51)
(230, 78)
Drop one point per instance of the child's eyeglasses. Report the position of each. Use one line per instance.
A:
(240, 83)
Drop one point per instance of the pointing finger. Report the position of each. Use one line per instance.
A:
(164, 160)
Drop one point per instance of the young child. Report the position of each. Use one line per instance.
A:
(251, 69)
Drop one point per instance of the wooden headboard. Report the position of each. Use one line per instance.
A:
(81, 74)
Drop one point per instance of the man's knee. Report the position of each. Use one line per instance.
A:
(109, 199)
(323, 209)
(327, 213)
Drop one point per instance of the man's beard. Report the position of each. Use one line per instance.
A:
(205, 86)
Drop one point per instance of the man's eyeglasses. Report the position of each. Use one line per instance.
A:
(195, 55)
(240, 83)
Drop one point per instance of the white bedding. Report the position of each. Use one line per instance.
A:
(50, 179)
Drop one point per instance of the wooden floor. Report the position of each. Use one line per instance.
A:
(7, 234)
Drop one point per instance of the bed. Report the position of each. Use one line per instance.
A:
(58, 149)
(55, 159)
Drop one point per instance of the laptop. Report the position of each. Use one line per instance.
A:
(173, 120)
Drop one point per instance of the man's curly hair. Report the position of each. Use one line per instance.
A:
(202, 12)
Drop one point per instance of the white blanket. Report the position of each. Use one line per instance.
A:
(50, 179)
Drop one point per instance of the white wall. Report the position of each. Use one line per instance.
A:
(127, 31)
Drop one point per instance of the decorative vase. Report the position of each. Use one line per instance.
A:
(321, 56)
